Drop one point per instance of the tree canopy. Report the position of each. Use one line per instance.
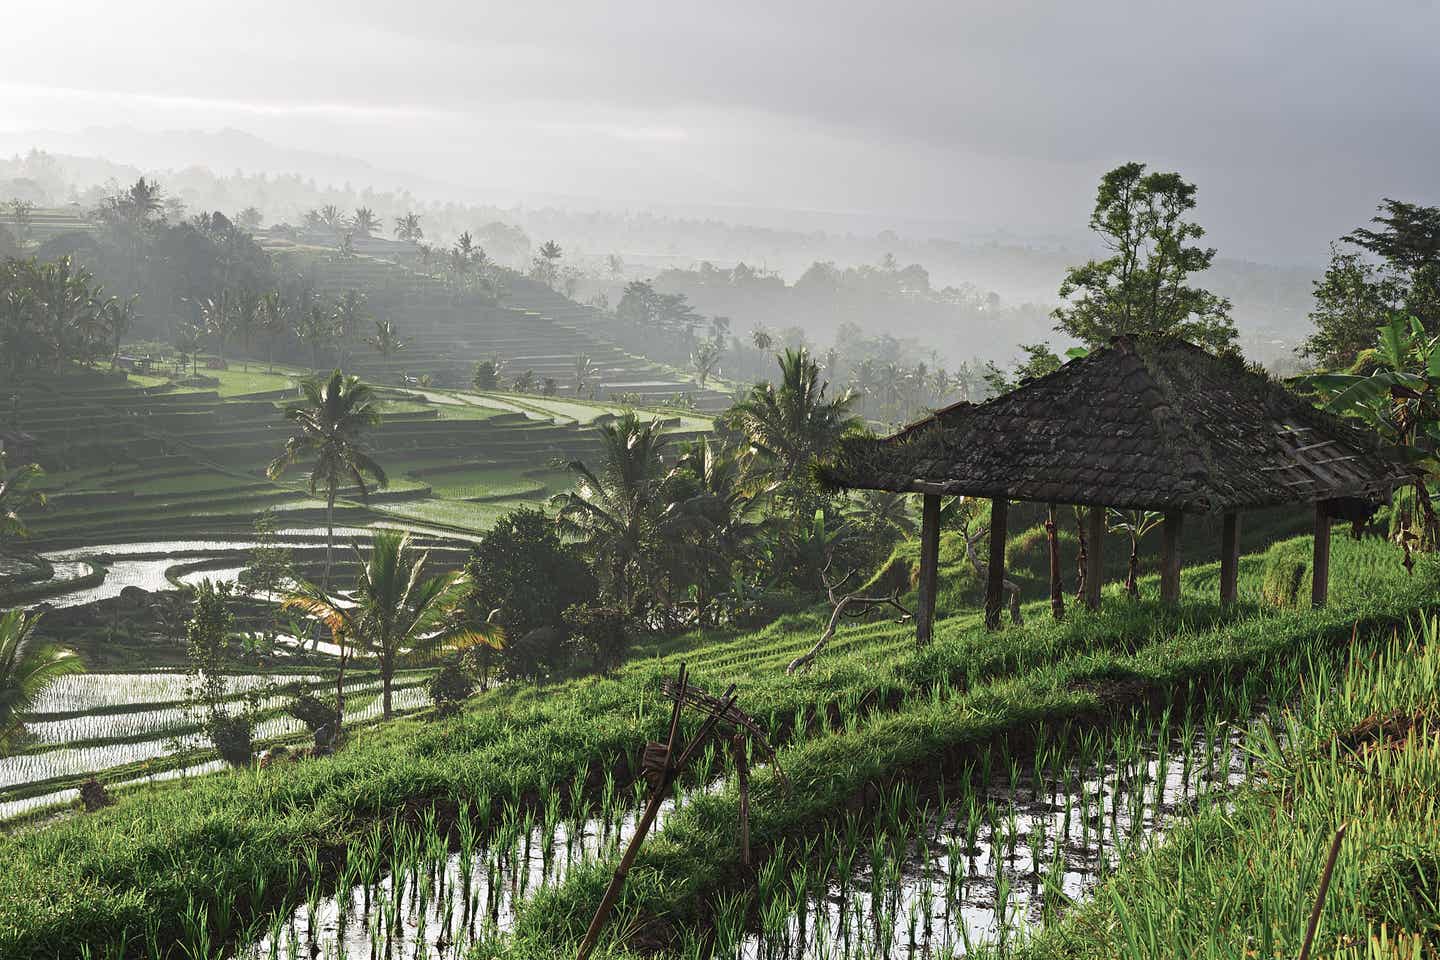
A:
(1141, 288)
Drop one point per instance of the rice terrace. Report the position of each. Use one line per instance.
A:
(619, 519)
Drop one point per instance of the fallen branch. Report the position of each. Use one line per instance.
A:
(849, 605)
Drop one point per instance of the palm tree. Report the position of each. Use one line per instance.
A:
(330, 216)
(881, 514)
(329, 423)
(585, 370)
(274, 321)
(350, 314)
(387, 340)
(246, 320)
(392, 612)
(315, 328)
(118, 316)
(407, 228)
(17, 498)
(710, 519)
(705, 359)
(364, 222)
(526, 382)
(791, 426)
(218, 321)
(614, 511)
(1135, 524)
(26, 669)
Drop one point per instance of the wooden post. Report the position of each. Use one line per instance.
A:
(1057, 588)
(742, 780)
(1320, 567)
(1229, 559)
(929, 561)
(1170, 556)
(1095, 557)
(995, 573)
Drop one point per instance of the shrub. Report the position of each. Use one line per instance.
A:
(318, 714)
(232, 739)
(599, 633)
(451, 686)
(1287, 573)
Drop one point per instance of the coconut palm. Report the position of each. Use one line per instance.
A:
(585, 371)
(17, 498)
(315, 328)
(710, 519)
(27, 668)
(387, 340)
(364, 222)
(881, 515)
(349, 316)
(614, 511)
(392, 613)
(274, 321)
(792, 425)
(408, 229)
(329, 424)
(217, 318)
(117, 316)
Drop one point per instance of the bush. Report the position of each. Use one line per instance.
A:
(1287, 573)
(318, 714)
(449, 688)
(599, 633)
(522, 568)
(232, 739)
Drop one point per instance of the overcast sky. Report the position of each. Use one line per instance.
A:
(1293, 117)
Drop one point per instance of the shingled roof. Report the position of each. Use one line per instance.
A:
(1142, 424)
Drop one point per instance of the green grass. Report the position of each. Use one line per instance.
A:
(496, 482)
(141, 865)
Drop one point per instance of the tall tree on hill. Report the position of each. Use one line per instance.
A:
(330, 423)
(27, 668)
(408, 229)
(615, 509)
(1358, 295)
(1141, 288)
(387, 340)
(790, 426)
(351, 312)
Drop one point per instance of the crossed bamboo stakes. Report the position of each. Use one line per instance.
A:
(662, 764)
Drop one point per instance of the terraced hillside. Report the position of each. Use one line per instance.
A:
(531, 329)
(136, 461)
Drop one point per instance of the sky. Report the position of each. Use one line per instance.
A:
(1293, 117)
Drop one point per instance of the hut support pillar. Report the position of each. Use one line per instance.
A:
(995, 572)
(1320, 566)
(1057, 588)
(929, 562)
(1094, 555)
(1170, 556)
(1229, 559)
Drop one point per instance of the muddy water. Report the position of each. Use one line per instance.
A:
(967, 879)
(443, 903)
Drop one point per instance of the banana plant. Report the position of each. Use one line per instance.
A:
(1394, 387)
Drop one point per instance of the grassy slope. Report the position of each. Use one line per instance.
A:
(137, 866)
